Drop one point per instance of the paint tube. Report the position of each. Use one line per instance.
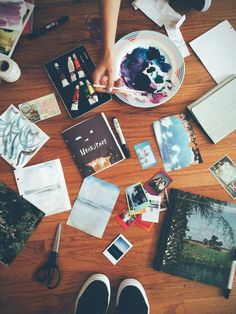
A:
(62, 77)
(9, 69)
(71, 69)
(92, 91)
(85, 90)
(78, 67)
(75, 101)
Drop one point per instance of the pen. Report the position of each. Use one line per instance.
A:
(227, 291)
(122, 90)
(121, 137)
(48, 27)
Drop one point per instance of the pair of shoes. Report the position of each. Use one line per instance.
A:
(94, 297)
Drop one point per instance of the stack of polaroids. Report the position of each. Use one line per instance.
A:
(145, 202)
(71, 75)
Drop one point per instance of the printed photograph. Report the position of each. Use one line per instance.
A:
(157, 183)
(137, 197)
(117, 249)
(125, 220)
(163, 200)
(177, 142)
(145, 154)
(152, 211)
(225, 172)
(202, 239)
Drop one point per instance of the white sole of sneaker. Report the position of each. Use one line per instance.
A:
(132, 282)
(206, 6)
(99, 277)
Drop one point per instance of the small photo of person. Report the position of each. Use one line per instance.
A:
(158, 183)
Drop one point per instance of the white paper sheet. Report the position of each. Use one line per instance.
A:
(44, 186)
(216, 49)
(93, 206)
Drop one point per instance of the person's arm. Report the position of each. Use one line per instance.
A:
(104, 73)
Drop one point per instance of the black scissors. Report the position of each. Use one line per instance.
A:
(50, 271)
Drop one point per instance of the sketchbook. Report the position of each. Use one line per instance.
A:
(93, 145)
(198, 238)
(216, 111)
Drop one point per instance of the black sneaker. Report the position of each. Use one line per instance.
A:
(94, 296)
(131, 298)
(201, 5)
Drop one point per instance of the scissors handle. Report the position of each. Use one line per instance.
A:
(49, 272)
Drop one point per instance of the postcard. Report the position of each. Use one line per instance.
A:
(177, 142)
(225, 172)
(136, 198)
(152, 211)
(157, 183)
(93, 206)
(145, 154)
(124, 219)
(117, 249)
(40, 108)
(44, 186)
(20, 139)
(9, 38)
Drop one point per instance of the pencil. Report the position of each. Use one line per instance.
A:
(122, 90)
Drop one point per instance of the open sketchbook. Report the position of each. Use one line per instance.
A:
(198, 238)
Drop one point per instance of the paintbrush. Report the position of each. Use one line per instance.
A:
(122, 90)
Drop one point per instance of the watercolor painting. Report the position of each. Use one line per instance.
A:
(93, 206)
(20, 139)
(177, 142)
(11, 14)
(149, 63)
(44, 186)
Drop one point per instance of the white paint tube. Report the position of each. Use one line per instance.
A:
(9, 69)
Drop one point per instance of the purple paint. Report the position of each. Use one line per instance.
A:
(10, 14)
(147, 69)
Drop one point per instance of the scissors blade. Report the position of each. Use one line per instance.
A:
(56, 243)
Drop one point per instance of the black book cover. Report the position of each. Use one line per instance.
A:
(198, 239)
(18, 219)
(93, 145)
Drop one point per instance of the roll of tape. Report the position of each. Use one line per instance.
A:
(9, 69)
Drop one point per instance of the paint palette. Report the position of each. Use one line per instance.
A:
(71, 74)
(150, 63)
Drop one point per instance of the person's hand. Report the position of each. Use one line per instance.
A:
(104, 73)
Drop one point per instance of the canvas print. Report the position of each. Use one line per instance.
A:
(198, 240)
(44, 186)
(225, 172)
(145, 154)
(177, 142)
(40, 108)
(158, 183)
(93, 206)
(18, 219)
(125, 220)
(136, 198)
(20, 139)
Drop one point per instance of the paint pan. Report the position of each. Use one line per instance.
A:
(9, 69)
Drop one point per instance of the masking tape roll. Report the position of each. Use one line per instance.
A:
(9, 69)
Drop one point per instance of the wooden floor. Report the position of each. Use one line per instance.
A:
(80, 254)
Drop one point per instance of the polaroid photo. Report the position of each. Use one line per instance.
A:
(146, 225)
(164, 199)
(124, 219)
(117, 249)
(145, 154)
(158, 183)
(136, 198)
(224, 171)
(152, 211)
(40, 108)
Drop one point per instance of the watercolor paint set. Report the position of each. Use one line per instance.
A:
(71, 74)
